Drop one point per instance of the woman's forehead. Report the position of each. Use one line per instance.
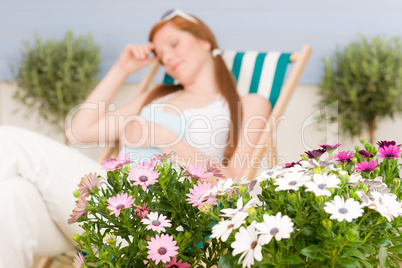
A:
(166, 33)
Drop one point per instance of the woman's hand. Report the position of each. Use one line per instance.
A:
(134, 58)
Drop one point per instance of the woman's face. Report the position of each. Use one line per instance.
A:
(182, 54)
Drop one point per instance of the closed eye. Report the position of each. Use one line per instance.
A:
(174, 43)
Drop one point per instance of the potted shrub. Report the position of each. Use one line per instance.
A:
(365, 79)
(54, 76)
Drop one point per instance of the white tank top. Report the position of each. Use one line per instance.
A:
(206, 128)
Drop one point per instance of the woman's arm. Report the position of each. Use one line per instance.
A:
(94, 122)
(256, 111)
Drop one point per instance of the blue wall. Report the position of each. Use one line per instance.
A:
(242, 25)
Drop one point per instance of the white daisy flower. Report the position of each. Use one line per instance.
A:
(247, 243)
(274, 226)
(271, 173)
(375, 202)
(241, 181)
(386, 205)
(295, 168)
(343, 210)
(231, 212)
(222, 187)
(374, 184)
(366, 201)
(311, 163)
(323, 163)
(355, 178)
(223, 229)
(291, 181)
(393, 206)
(341, 171)
(320, 184)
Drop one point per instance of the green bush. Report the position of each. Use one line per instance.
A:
(54, 76)
(365, 79)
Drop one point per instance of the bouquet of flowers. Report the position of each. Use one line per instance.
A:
(145, 215)
(327, 210)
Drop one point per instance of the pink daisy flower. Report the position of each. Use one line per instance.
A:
(343, 157)
(211, 167)
(142, 211)
(164, 156)
(328, 147)
(116, 163)
(119, 202)
(90, 182)
(383, 144)
(315, 153)
(79, 260)
(143, 175)
(197, 193)
(151, 164)
(389, 152)
(161, 248)
(177, 264)
(292, 164)
(366, 166)
(156, 223)
(365, 153)
(198, 173)
(80, 210)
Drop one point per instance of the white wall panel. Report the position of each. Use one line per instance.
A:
(239, 25)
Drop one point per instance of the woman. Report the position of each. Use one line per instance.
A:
(37, 175)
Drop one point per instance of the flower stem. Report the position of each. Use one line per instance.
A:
(367, 236)
(337, 252)
(365, 216)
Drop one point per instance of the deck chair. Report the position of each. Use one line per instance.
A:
(255, 72)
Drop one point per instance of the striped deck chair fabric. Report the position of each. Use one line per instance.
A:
(255, 72)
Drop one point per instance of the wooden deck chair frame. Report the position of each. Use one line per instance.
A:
(267, 141)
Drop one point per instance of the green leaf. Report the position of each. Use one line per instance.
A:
(366, 264)
(367, 249)
(313, 252)
(352, 252)
(396, 249)
(294, 259)
(226, 261)
(300, 244)
(307, 230)
(396, 240)
(140, 264)
(382, 256)
(383, 226)
(382, 242)
(165, 207)
(396, 260)
(349, 263)
(267, 266)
